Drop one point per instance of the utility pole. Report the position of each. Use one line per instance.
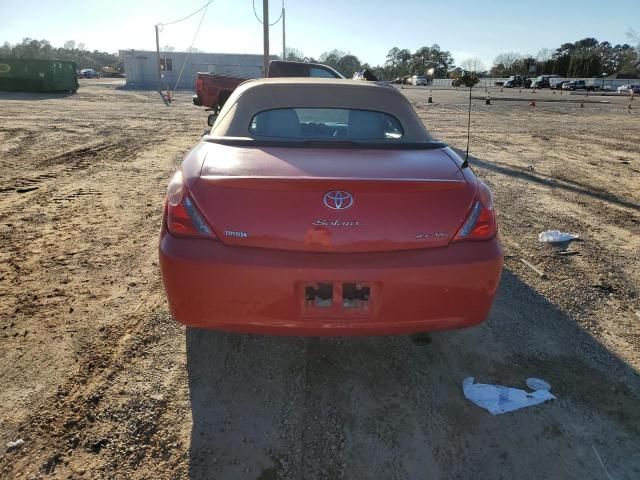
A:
(284, 47)
(158, 57)
(265, 34)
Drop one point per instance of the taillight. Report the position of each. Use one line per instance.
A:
(183, 217)
(481, 221)
(199, 84)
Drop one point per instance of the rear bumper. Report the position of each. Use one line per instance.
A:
(253, 290)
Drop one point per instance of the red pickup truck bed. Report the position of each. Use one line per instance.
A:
(213, 89)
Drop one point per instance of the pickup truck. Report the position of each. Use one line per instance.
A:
(514, 81)
(517, 81)
(543, 81)
(582, 85)
(213, 89)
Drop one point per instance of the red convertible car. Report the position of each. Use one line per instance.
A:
(324, 207)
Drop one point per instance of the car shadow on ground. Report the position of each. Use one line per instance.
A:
(278, 407)
(564, 184)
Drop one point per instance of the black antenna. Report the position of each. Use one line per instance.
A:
(465, 164)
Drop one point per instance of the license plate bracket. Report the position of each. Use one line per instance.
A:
(337, 299)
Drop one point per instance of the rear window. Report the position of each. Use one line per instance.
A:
(325, 124)
(320, 73)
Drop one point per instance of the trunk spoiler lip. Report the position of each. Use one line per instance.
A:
(311, 143)
(222, 178)
(295, 183)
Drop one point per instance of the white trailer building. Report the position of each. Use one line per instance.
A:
(141, 67)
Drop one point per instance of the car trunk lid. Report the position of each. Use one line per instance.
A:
(332, 200)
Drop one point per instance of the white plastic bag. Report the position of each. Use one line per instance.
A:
(15, 444)
(498, 399)
(556, 236)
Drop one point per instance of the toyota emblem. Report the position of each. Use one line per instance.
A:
(338, 200)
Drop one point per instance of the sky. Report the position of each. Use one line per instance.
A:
(367, 29)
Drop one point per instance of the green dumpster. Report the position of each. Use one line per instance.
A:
(29, 75)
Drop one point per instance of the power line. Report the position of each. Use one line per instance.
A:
(258, 18)
(192, 42)
(190, 15)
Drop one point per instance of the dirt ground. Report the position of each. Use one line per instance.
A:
(101, 383)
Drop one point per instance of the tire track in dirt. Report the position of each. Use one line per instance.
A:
(84, 242)
(107, 386)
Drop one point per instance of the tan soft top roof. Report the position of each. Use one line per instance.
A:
(255, 96)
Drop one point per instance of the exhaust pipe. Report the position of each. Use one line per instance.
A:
(421, 339)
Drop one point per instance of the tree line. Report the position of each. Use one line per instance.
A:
(585, 58)
(72, 51)
(399, 62)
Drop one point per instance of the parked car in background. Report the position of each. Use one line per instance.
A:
(285, 68)
(406, 80)
(514, 81)
(517, 81)
(419, 80)
(558, 85)
(627, 89)
(324, 207)
(581, 85)
(543, 81)
(89, 73)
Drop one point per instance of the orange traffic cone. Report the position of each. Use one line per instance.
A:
(532, 105)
